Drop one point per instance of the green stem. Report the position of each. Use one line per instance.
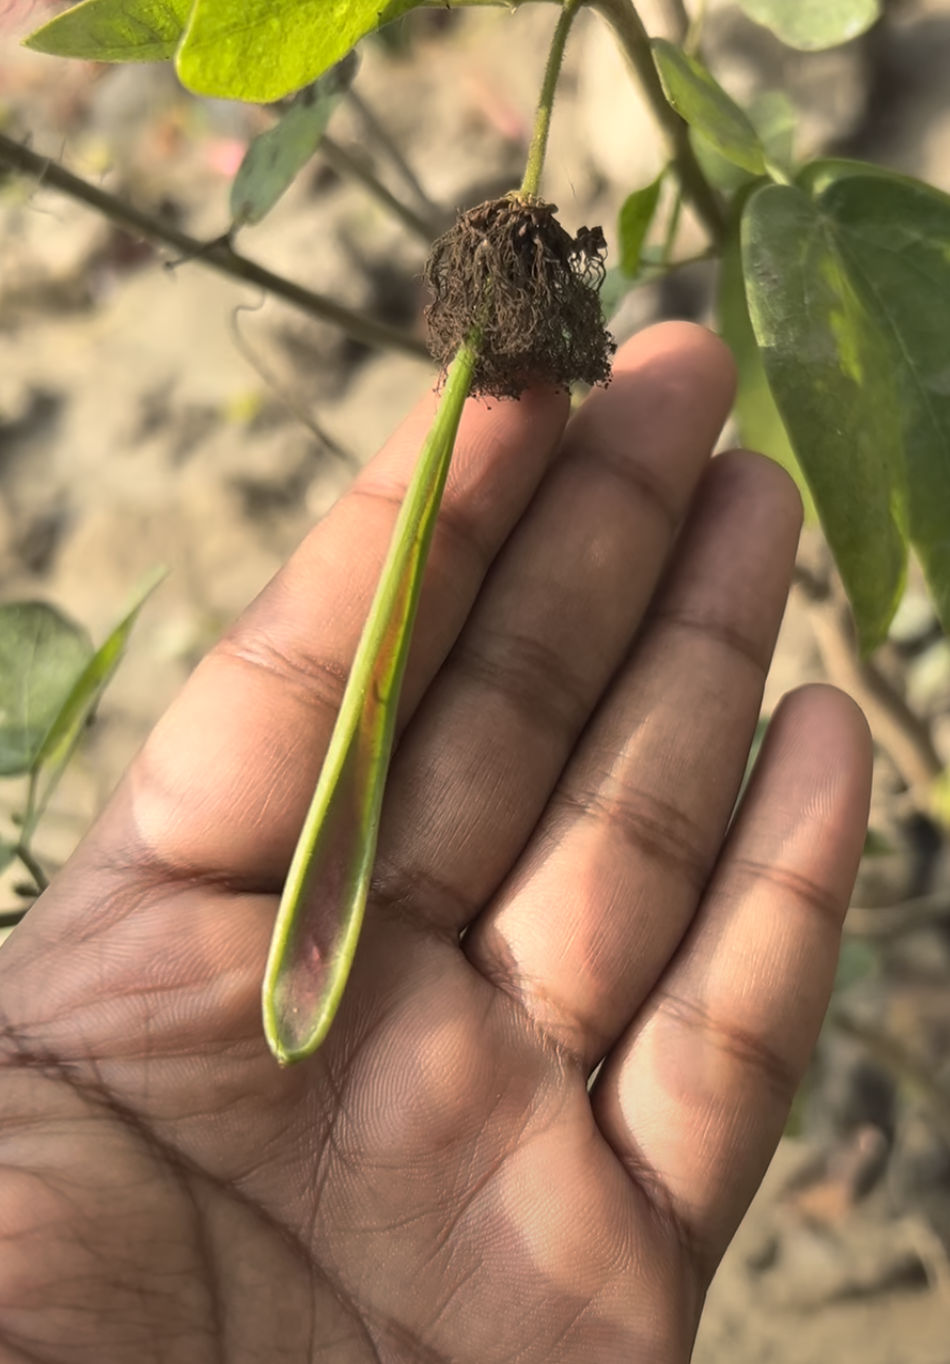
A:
(377, 130)
(672, 226)
(542, 122)
(694, 35)
(321, 910)
(30, 814)
(33, 867)
(633, 38)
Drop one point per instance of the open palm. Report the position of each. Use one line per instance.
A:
(555, 889)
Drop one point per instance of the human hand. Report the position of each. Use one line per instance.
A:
(439, 1183)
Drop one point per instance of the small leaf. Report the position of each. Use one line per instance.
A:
(699, 99)
(633, 224)
(832, 377)
(813, 24)
(760, 424)
(114, 31)
(772, 115)
(262, 50)
(42, 653)
(77, 707)
(275, 158)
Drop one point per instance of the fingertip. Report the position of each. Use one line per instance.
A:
(819, 750)
(693, 346)
(821, 717)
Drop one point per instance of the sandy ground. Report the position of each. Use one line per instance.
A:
(153, 415)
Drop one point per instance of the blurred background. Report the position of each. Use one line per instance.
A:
(153, 411)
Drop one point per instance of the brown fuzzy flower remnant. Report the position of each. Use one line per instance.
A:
(511, 272)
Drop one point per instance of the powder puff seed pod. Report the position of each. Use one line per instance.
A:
(511, 273)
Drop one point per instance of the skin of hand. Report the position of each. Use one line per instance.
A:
(560, 885)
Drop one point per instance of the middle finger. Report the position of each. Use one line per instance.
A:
(550, 628)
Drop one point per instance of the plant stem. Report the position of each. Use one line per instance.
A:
(672, 226)
(321, 910)
(905, 736)
(33, 867)
(694, 35)
(542, 120)
(678, 20)
(345, 163)
(217, 255)
(632, 36)
(377, 130)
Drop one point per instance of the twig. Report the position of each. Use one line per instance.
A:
(904, 735)
(218, 255)
(632, 36)
(377, 130)
(33, 867)
(345, 163)
(289, 400)
(678, 20)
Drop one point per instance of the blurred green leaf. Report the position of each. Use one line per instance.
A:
(114, 31)
(772, 115)
(698, 98)
(813, 24)
(275, 158)
(857, 960)
(831, 374)
(42, 653)
(760, 424)
(633, 224)
(262, 50)
(78, 706)
(894, 235)
(614, 289)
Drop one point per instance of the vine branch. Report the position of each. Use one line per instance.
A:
(217, 255)
(633, 38)
(530, 184)
(346, 162)
(904, 735)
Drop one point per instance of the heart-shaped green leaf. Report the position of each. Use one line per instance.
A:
(262, 50)
(699, 99)
(894, 235)
(813, 24)
(114, 31)
(832, 375)
(42, 653)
